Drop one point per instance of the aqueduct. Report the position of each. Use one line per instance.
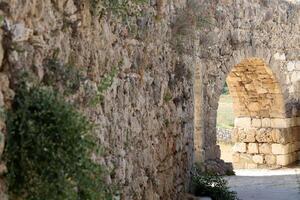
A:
(260, 61)
(155, 119)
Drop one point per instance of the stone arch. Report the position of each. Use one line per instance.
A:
(263, 135)
(255, 90)
(270, 64)
(253, 33)
(275, 64)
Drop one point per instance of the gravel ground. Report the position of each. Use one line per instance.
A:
(258, 184)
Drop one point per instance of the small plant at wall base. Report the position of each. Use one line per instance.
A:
(48, 150)
(211, 184)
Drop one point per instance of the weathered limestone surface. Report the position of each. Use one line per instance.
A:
(267, 142)
(145, 121)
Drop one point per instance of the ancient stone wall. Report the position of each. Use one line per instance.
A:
(255, 44)
(145, 120)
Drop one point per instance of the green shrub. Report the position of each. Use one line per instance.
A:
(48, 150)
(212, 185)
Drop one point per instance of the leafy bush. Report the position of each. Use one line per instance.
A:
(48, 150)
(212, 185)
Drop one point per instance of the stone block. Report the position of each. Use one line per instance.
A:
(251, 165)
(252, 148)
(240, 147)
(247, 135)
(282, 136)
(264, 135)
(259, 159)
(235, 157)
(70, 7)
(250, 135)
(283, 160)
(270, 159)
(297, 65)
(279, 56)
(254, 106)
(238, 165)
(277, 111)
(294, 134)
(290, 66)
(294, 157)
(266, 122)
(235, 135)
(246, 158)
(281, 122)
(280, 149)
(265, 148)
(256, 123)
(295, 76)
(244, 122)
(295, 131)
(20, 32)
(261, 90)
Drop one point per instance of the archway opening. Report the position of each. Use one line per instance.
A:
(261, 136)
(225, 124)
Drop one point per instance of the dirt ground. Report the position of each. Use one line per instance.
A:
(263, 184)
(259, 184)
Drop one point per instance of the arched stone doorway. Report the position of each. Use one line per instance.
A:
(263, 135)
(272, 113)
(263, 30)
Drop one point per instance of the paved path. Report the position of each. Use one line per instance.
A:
(258, 184)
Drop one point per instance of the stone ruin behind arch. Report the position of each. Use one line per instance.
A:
(263, 134)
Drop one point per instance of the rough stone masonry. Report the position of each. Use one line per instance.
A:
(145, 121)
(256, 48)
(161, 107)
